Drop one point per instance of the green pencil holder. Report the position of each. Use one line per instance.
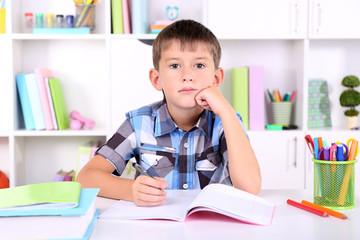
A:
(334, 184)
(281, 112)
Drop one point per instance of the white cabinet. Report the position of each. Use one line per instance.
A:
(257, 18)
(280, 157)
(334, 19)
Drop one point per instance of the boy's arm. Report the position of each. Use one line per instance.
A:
(243, 166)
(144, 191)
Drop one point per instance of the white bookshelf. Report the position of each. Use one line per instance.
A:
(105, 75)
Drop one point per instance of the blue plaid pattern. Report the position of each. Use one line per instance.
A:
(186, 160)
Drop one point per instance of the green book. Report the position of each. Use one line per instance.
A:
(50, 195)
(117, 17)
(240, 93)
(57, 95)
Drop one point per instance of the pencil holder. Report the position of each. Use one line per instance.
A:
(334, 184)
(2, 20)
(85, 16)
(281, 112)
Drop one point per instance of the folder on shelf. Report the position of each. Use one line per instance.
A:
(256, 98)
(126, 16)
(41, 74)
(117, 16)
(140, 24)
(35, 101)
(61, 114)
(62, 223)
(240, 93)
(51, 105)
(25, 102)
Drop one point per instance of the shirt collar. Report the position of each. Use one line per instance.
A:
(164, 123)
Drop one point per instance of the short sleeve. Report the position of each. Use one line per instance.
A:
(120, 147)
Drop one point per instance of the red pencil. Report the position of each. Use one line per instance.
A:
(292, 96)
(307, 208)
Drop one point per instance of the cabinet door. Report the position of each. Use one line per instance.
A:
(334, 19)
(280, 156)
(257, 18)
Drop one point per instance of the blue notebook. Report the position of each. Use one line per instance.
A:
(64, 223)
(87, 196)
(25, 102)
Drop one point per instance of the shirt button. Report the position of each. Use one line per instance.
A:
(186, 145)
(185, 186)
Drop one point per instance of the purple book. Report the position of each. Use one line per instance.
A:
(256, 98)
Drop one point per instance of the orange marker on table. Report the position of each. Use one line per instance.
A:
(324, 209)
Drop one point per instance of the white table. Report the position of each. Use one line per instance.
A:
(288, 223)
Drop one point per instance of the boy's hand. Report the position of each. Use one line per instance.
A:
(147, 191)
(211, 99)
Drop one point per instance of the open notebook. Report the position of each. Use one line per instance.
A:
(180, 204)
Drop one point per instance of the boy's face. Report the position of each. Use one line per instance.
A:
(183, 73)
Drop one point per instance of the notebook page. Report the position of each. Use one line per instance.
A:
(235, 203)
(174, 208)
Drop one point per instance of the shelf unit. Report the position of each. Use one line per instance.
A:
(105, 75)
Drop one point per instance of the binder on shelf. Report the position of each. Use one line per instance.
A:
(240, 93)
(140, 24)
(35, 101)
(256, 98)
(126, 16)
(117, 16)
(41, 74)
(25, 102)
(51, 105)
(62, 117)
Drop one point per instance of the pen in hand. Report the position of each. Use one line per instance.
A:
(142, 171)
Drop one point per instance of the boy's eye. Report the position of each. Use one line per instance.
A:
(199, 65)
(174, 66)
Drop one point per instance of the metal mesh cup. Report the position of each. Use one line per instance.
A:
(281, 112)
(334, 184)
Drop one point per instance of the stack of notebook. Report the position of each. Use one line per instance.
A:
(54, 210)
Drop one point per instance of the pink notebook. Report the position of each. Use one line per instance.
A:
(41, 74)
(256, 98)
(126, 16)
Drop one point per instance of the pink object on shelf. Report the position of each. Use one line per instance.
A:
(76, 125)
(89, 123)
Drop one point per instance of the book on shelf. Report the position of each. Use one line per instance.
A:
(52, 223)
(51, 105)
(139, 17)
(256, 98)
(41, 74)
(240, 93)
(35, 101)
(62, 117)
(85, 153)
(126, 15)
(25, 101)
(220, 201)
(117, 16)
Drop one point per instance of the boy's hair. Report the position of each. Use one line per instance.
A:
(189, 33)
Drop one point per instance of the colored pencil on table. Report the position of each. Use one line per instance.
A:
(307, 208)
(324, 209)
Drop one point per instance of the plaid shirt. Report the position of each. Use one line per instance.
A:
(186, 160)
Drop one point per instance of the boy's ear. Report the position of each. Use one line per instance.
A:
(154, 79)
(219, 77)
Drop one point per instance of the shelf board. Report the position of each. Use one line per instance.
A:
(59, 133)
(30, 36)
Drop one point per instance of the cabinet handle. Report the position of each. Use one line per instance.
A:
(292, 155)
(297, 16)
(319, 8)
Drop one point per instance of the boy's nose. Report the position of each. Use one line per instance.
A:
(187, 77)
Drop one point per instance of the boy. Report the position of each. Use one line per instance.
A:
(190, 139)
